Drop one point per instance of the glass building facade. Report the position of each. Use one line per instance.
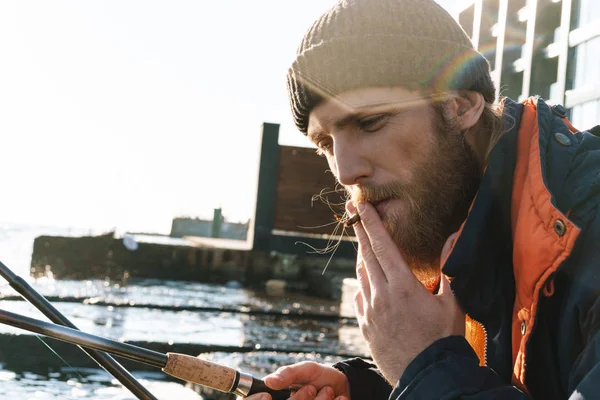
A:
(549, 48)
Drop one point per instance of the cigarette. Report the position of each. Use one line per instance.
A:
(352, 220)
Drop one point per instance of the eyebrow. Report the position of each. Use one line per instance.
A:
(339, 123)
(352, 117)
(362, 111)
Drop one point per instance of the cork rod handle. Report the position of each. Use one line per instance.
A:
(202, 372)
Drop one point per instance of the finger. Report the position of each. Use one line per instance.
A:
(372, 268)
(363, 277)
(300, 373)
(307, 392)
(369, 273)
(255, 396)
(381, 244)
(326, 393)
(359, 304)
(350, 208)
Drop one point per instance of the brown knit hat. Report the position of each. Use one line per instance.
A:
(383, 43)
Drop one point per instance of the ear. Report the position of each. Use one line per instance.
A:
(466, 108)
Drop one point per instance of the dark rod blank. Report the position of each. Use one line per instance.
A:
(188, 368)
(75, 336)
(106, 361)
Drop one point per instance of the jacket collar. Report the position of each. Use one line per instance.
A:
(483, 249)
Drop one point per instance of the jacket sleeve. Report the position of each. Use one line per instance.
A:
(584, 375)
(449, 369)
(365, 380)
(584, 378)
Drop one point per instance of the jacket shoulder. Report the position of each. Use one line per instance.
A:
(570, 162)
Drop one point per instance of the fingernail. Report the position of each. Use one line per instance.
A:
(361, 207)
(350, 207)
(312, 392)
(264, 397)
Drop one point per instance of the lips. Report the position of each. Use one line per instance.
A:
(380, 206)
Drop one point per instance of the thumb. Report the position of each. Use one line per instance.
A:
(300, 373)
(444, 286)
(276, 381)
(454, 312)
(446, 250)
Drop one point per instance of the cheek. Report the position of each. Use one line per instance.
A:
(400, 152)
(332, 166)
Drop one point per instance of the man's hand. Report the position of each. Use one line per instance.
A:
(315, 381)
(397, 316)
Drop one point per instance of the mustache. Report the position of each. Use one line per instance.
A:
(376, 194)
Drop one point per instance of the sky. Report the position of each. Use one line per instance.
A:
(126, 113)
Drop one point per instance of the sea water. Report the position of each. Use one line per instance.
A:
(148, 310)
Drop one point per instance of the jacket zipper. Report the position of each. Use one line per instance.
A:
(485, 344)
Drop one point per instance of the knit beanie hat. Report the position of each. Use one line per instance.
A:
(415, 44)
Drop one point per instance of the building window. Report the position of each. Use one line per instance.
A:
(586, 115)
(588, 12)
(587, 64)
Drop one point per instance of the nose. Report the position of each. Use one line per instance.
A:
(351, 162)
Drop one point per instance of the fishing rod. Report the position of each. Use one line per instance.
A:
(109, 364)
(182, 366)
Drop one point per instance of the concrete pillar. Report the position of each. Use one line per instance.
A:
(216, 223)
(267, 185)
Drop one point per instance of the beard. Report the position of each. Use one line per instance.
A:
(434, 204)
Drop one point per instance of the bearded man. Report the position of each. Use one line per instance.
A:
(479, 232)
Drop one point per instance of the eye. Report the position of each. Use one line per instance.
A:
(325, 146)
(373, 123)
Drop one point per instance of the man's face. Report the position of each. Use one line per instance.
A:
(390, 147)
